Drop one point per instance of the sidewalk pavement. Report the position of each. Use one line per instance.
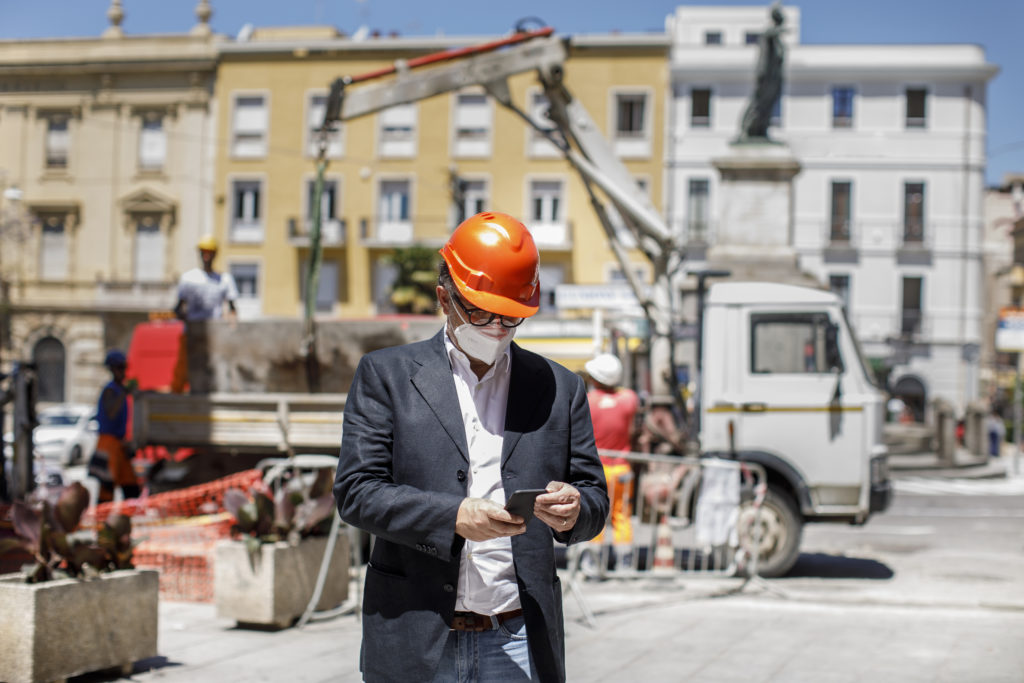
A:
(965, 465)
(648, 630)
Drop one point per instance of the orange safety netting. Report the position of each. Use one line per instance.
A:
(176, 532)
(202, 499)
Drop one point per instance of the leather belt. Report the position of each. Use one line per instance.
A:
(471, 621)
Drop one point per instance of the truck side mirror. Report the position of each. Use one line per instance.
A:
(832, 355)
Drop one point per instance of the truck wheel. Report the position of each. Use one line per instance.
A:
(780, 528)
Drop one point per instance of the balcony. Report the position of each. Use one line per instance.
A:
(333, 232)
(93, 296)
(553, 236)
(246, 231)
(386, 233)
(840, 241)
(914, 235)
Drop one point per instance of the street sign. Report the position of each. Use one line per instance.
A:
(1010, 330)
(617, 297)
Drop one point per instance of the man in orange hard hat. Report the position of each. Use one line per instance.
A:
(437, 436)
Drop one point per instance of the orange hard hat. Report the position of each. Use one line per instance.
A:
(493, 260)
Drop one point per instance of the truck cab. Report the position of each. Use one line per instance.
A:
(784, 385)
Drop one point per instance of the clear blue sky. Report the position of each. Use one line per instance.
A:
(997, 25)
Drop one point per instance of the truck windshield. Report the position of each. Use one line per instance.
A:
(865, 367)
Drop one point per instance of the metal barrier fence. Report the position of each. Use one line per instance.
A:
(674, 516)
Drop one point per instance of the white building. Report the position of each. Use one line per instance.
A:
(887, 207)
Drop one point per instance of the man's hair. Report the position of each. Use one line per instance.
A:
(444, 279)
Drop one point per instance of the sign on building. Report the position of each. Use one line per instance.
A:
(1010, 330)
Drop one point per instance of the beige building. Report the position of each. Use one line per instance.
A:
(106, 174)
(1003, 259)
(391, 177)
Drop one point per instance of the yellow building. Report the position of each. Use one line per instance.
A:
(390, 181)
(106, 149)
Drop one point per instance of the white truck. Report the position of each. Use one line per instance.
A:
(784, 385)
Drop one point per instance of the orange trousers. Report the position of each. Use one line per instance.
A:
(121, 471)
(620, 493)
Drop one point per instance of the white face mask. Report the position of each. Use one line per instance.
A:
(484, 343)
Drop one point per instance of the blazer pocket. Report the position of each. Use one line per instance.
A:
(386, 572)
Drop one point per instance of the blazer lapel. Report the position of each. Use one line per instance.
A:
(525, 396)
(437, 387)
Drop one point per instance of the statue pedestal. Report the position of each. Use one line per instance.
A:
(754, 234)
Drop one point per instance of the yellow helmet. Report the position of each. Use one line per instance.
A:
(207, 243)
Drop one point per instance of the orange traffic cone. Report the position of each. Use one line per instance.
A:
(664, 554)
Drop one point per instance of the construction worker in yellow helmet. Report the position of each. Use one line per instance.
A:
(203, 294)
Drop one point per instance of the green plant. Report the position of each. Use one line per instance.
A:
(413, 290)
(47, 528)
(299, 508)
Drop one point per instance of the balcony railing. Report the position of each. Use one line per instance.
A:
(333, 232)
(914, 235)
(553, 235)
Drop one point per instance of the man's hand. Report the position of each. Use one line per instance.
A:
(482, 520)
(559, 508)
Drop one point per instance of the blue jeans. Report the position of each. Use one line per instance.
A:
(485, 656)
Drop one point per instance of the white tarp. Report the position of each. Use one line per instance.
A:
(719, 502)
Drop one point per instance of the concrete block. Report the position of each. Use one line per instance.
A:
(58, 629)
(275, 590)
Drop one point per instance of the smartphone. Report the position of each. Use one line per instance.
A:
(521, 502)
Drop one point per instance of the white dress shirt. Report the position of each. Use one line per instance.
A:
(487, 577)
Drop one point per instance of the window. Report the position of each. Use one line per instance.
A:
(712, 37)
(916, 107)
(545, 201)
(315, 119)
(697, 210)
(393, 212)
(840, 286)
(474, 197)
(550, 275)
(327, 286)
(629, 120)
(330, 226)
(473, 122)
(53, 253)
(249, 129)
(910, 314)
(149, 249)
(247, 281)
(57, 141)
(546, 213)
(700, 108)
(384, 277)
(398, 131)
(751, 37)
(246, 211)
(839, 229)
(913, 213)
(50, 358)
(783, 343)
(842, 107)
(152, 143)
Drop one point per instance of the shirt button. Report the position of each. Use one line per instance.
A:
(461, 475)
(448, 588)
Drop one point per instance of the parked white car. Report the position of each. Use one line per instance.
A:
(66, 433)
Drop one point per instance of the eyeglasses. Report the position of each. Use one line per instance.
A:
(478, 317)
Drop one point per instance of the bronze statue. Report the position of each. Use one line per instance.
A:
(769, 81)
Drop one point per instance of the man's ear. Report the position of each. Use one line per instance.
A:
(442, 299)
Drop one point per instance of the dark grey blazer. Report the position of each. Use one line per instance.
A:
(402, 476)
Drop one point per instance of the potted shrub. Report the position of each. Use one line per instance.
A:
(266, 574)
(80, 606)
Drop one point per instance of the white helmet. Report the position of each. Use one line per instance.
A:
(606, 369)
